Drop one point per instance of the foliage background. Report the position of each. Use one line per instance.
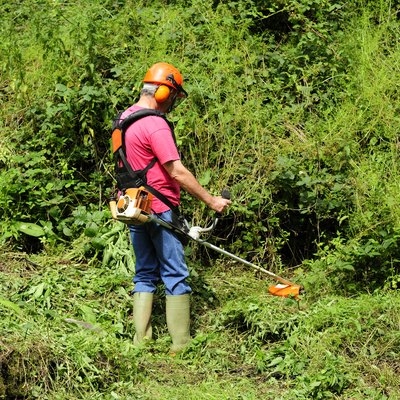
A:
(292, 104)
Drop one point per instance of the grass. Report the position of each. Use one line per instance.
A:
(72, 338)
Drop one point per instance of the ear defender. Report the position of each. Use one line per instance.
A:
(162, 93)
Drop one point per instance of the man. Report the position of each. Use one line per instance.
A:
(159, 252)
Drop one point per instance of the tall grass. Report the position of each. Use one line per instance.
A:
(362, 131)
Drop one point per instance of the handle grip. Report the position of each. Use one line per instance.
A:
(226, 194)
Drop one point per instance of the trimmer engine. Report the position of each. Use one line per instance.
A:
(133, 206)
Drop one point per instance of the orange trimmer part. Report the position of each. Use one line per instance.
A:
(285, 290)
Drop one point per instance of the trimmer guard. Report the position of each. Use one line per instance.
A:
(292, 291)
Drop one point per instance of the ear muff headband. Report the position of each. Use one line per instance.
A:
(162, 93)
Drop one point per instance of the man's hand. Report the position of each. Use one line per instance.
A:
(219, 204)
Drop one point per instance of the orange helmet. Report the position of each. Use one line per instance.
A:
(165, 74)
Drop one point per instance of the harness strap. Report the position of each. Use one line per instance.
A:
(139, 176)
(140, 181)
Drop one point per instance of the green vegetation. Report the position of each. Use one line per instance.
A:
(294, 105)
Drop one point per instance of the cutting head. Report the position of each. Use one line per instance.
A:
(291, 291)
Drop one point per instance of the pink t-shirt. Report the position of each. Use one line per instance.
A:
(147, 138)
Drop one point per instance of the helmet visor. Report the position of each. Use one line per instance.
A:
(181, 92)
(179, 95)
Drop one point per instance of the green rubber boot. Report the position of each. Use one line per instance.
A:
(142, 308)
(178, 320)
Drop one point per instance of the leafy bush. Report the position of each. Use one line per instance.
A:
(283, 108)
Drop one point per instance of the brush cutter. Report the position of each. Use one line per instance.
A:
(134, 208)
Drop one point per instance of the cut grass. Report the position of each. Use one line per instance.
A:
(246, 344)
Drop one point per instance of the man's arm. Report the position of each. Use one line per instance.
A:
(189, 183)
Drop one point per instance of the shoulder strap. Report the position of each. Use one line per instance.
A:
(120, 126)
(131, 118)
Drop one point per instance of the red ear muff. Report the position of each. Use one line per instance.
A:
(162, 93)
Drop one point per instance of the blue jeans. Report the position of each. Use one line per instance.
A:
(159, 255)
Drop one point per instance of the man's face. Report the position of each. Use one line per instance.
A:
(171, 102)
